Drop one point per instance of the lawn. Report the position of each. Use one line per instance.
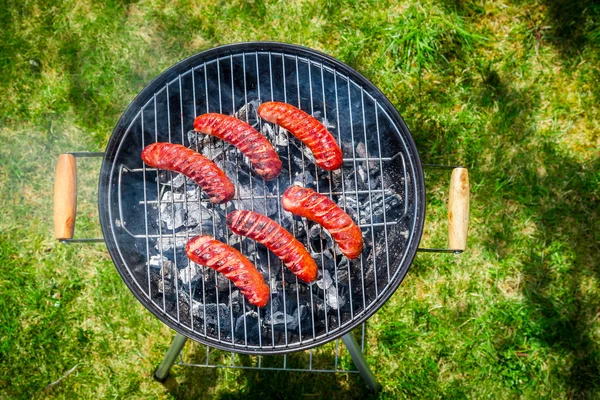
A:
(511, 89)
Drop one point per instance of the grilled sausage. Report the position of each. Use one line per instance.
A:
(255, 146)
(328, 155)
(178, 158)
(321, 209)
(268, 232)
(207, 251)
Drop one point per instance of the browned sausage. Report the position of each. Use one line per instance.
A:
(328, 155)
(178, 158)
(207, 251)
(321, 209)
(255, 146)
(268, 232)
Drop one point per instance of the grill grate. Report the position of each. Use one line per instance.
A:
(153, 214)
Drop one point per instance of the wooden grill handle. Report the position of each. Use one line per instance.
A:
(65, 197)
(458, 209)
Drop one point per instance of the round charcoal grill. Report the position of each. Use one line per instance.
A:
(148, 215)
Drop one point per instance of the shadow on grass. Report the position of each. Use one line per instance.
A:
(572, 24)
(531, 176)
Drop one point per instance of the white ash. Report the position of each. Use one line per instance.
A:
(158, 261)
(167, 241)
(303, 179)
(177, 182)
(277, 135)
(184, 209)
(334, 299)
(325, 282)
(278, 318)
(275, 285)
(164, 283)
(361, 151)
(199, 214)
(173, 215)
(191, 273)
(249, 113)
(308, 154)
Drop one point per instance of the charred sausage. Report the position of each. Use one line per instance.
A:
(178, 158)
(321, 209)
(268, 232)
(207, 251)
(328, 155)
(255, 146)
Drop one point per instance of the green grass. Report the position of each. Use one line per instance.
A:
(509, 88)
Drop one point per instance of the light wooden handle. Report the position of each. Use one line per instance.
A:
(458, 209)
(65, 197)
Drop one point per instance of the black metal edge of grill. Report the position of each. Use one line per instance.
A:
(105, 186)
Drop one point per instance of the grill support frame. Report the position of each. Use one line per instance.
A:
(175, 350)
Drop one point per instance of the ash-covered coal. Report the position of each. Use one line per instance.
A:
(295, 307)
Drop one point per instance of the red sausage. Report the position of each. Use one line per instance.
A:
(207, 251)
(328, 155)
(255, 146)
(178, 158)
(268, 232)
(321, 209)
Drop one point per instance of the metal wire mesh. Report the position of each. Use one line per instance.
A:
(331, 357)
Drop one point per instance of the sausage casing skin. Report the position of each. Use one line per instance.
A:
(248, 140)
(178, 158)
(207, 251)
(269, 233)
(321, 209)
(328, 155)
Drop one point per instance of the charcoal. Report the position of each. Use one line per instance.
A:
(249, 113)
(304, 179)
(276, 134)
(280, 319)
(209, 313)
(295, 305)
(250, 319)
(320, 240)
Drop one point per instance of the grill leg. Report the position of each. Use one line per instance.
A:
(163, 370)
(361, 363)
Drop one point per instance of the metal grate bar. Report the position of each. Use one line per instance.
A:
(337, 109)
(237, 172)
(368, 164)
(174, 268)
(274, 196)
(285, 99)
(145, 210)
(158, 190)
(187, 227)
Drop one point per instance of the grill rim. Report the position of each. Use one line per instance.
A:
(108, 166)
